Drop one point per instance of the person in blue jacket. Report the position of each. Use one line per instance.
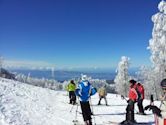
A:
(84, 91)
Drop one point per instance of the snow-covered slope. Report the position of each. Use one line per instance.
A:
(22, 104)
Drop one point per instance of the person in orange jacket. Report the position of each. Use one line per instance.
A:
(141, 95)
(132, 95)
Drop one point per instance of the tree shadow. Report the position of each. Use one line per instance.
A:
(118, 105)
(108, 105)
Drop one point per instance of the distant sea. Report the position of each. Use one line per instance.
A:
(65, 75)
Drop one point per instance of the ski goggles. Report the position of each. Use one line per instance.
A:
(164, 88)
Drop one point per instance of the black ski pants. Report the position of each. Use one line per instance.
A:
(101, 97)
(72, 97)
(140, 105)
(130, 111)
(86, 111)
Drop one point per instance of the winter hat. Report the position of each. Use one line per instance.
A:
(72, 81)
(139, 84)
(132, 81)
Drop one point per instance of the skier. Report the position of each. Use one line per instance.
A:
(159, 112)
(162, 120)
(84, 91)
(102, 94)
(71, 89)
(130, 107)
(140, 92)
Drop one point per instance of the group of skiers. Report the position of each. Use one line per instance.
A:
(136, 94)
(85, 90)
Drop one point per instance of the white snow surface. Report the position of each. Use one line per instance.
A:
(23, 104)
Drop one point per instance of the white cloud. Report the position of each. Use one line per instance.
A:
(27, 64)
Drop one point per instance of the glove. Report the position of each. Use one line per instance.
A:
(122, 96)
(131, 102)
(127, 101)
(95, 89)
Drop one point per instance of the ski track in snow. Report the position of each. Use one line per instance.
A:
(22, 104)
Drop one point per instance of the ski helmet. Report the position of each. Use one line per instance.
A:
(84, 77)
(163, 83)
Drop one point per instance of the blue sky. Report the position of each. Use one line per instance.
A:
(76, 33)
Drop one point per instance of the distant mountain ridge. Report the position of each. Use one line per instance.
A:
(64, 75)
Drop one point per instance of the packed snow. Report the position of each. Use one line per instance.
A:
(23, 104)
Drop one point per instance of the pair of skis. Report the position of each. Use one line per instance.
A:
(116, 123)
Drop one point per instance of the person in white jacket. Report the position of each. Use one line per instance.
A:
(162, 120)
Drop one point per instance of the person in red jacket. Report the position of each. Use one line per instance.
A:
(130, 107)
(141, 95)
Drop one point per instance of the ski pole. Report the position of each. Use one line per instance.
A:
(71, 108)
(92, 111)
(75, 121)
(76, 112)
(122, 96)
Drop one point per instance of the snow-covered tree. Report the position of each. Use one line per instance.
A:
(157, 46)
(1, 62)
(145, 75)
(122, 77)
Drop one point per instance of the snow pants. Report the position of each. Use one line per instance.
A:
(162, 121)
(140, 106)
(86, 111)
(101, 97)
(130, 111)
(72, 97)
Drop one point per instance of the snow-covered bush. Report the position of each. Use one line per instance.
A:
(45, 83)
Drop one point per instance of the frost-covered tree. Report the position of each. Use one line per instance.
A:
(145, 76)
(122, 77)
(157, 46)
(1, 66)
(1, 62)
